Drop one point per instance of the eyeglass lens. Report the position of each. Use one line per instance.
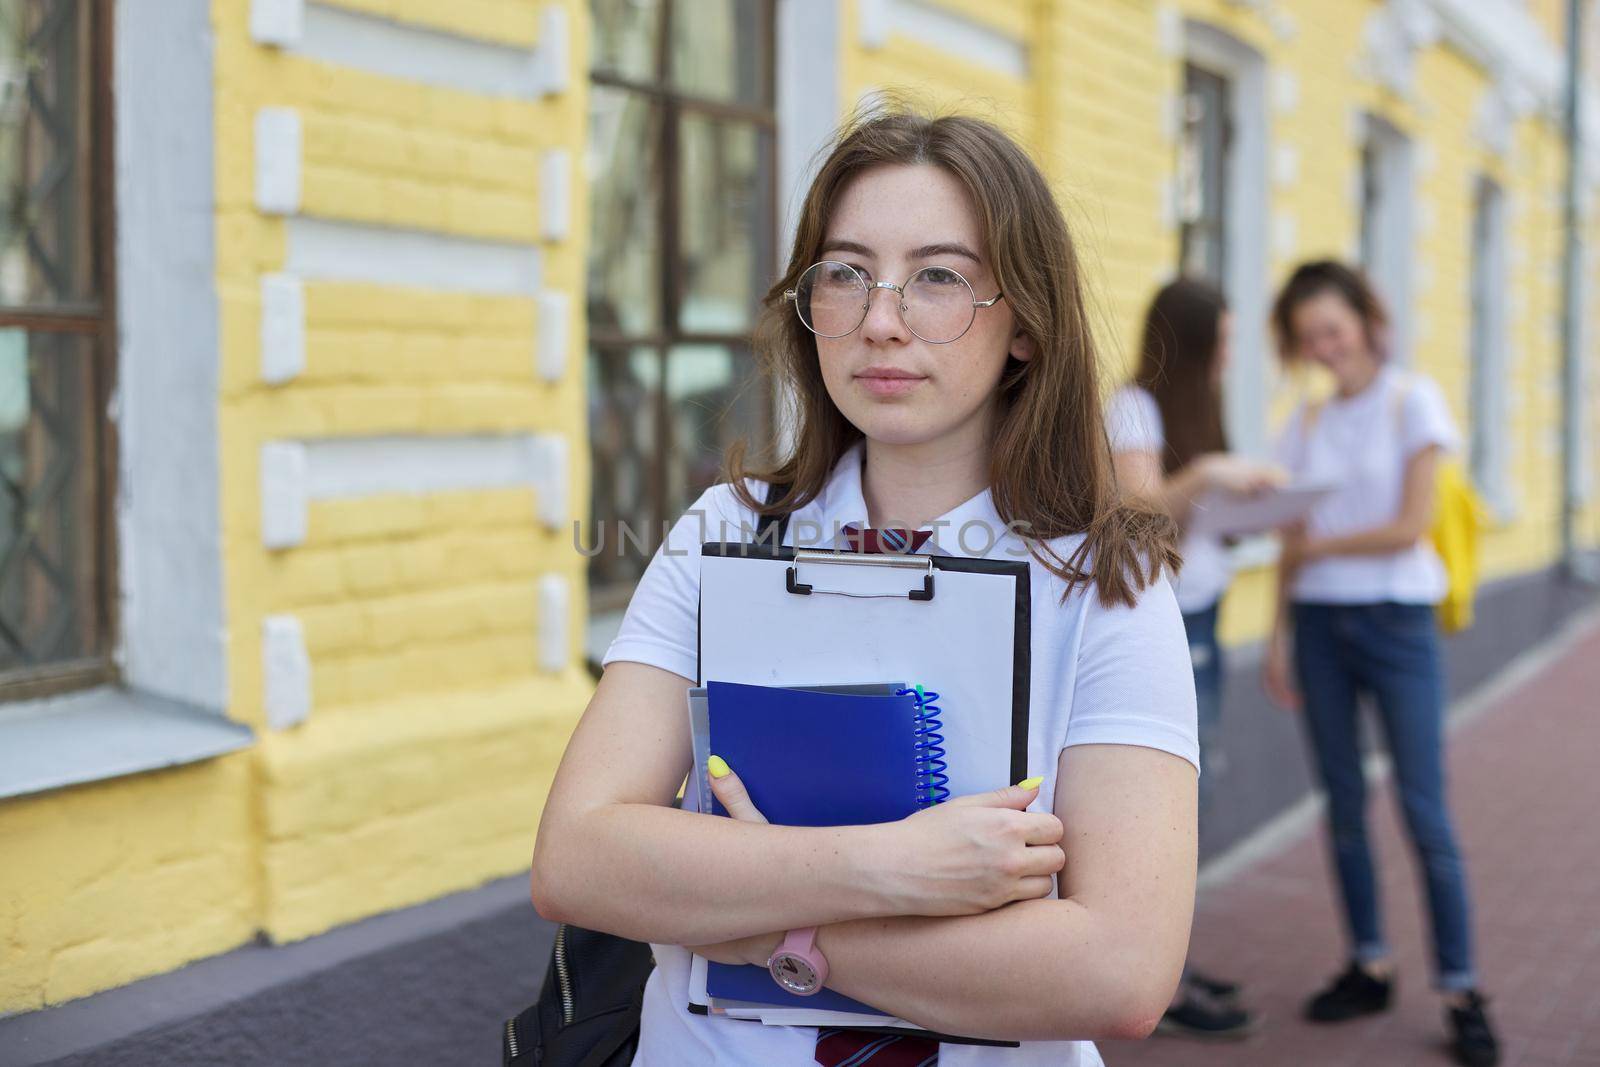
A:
(832, 300)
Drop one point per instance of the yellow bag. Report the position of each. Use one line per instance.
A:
(1458, 521)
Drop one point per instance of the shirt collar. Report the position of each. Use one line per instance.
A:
(972, 528)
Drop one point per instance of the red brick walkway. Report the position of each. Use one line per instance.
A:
(1525, 787)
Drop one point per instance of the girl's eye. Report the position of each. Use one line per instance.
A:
(941, 276)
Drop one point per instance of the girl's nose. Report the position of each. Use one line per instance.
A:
(884, 323)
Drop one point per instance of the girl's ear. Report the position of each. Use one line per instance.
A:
(1022, 347)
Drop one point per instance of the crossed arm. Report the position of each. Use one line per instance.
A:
(1101, 961)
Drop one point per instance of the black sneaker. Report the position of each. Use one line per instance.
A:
(1196, 1015)
(1473, 1040)
(1215, 988)
(1353, 994)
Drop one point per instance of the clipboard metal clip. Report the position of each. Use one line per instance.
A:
(922, 564)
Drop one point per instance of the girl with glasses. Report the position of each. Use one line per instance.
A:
(932, 333)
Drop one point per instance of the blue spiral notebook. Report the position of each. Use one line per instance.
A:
(810, 757)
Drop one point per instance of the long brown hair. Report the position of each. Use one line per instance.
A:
(1177, 366)
(1320, 276)
(1050, 465)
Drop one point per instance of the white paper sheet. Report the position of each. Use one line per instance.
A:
(1222, 514)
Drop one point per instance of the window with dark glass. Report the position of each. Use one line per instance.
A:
(682, 172)
(1486, 443)
(55, 346)
(1203, 165)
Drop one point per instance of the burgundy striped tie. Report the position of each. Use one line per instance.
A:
(888, 539)
(856, 1048)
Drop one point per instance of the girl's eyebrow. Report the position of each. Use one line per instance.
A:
(943, 248)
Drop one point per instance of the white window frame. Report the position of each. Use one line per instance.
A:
(171, 707)
(1489, 344)
(1246, 237)
(1388, 229)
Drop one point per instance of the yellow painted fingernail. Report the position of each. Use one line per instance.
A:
(718, 767)
(1031, 783)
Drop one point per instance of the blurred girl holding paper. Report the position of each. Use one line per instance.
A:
(1358, 581)
(1169, 447)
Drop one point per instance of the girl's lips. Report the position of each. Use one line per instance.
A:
(886, 382)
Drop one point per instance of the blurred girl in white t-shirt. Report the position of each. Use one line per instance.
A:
(1358, 581)
(1169, 447)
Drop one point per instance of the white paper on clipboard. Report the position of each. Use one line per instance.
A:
(1221, 514)
(859, 626)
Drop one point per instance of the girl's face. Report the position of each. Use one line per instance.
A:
(888, 223)
(1327, 330)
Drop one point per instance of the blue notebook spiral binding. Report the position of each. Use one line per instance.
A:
(933, 781)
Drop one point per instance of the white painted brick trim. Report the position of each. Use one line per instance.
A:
(1285, 234)
(322, 249)
(554, 622)
(1169, 31)
(950, 32)
(278, 23)
(278, 160)
(873, 23)
(1285, 91)
(1286, 165)
(551, 480)
(555, 194)
(283, 328)
(344, 37)
(285, 672)
(555, 315)
(554, 50)
(283, 494)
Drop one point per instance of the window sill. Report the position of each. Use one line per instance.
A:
(105, 733)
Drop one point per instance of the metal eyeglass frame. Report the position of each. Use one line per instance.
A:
(793, 295)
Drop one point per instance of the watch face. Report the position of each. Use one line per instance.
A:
(793, 973)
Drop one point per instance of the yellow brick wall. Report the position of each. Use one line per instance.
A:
(433, 733)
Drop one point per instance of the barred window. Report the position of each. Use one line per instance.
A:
(55, 346)
(683, 178)
(1203, 172)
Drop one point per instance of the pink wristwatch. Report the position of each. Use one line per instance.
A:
(797, 965)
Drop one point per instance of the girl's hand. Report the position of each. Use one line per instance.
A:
(973, 854)
(1277, 675)
(963, 857)
(1236, 474)
(730, 792)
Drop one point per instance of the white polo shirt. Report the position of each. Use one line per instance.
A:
(1133, 424)
(1362, 444)
(1099, 675)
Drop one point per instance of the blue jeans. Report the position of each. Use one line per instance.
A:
(1390, 651)
(1205, 656)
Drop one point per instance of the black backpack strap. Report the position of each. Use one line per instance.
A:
(764, 523)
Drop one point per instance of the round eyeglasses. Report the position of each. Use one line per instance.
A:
(936, 303)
